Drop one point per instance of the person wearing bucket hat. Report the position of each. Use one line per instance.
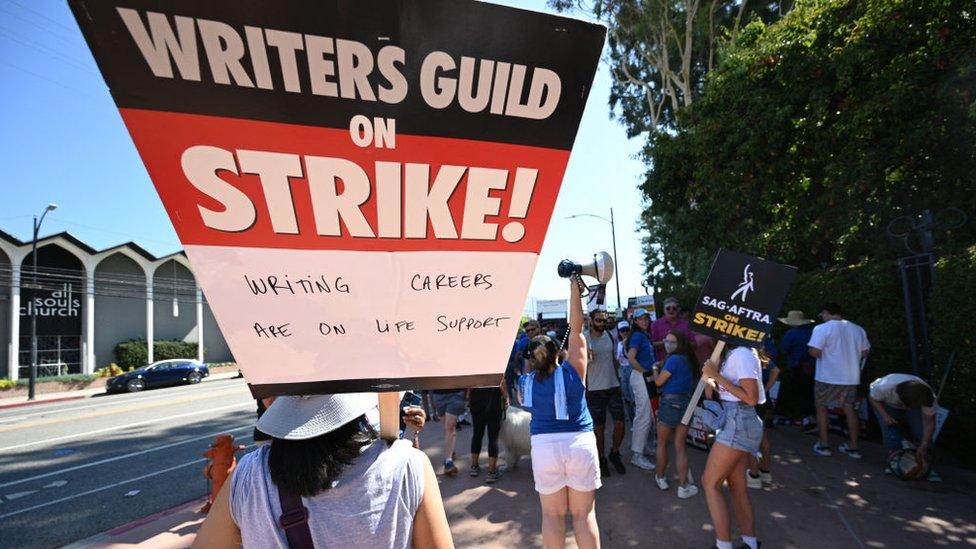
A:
(327, 477)
(796, 395)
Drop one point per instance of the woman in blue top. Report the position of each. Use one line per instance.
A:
(674, 380)
(565, 463)
(640, 354)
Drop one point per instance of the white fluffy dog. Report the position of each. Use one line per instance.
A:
(515, 436)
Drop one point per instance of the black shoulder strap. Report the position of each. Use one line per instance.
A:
(294, 519)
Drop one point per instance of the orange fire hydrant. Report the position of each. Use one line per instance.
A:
(221, 460)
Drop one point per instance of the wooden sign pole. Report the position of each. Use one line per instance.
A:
(389, 415)
(696, 396)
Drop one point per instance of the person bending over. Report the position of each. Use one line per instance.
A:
(906, 407)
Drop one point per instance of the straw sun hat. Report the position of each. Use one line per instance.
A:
(795, 318)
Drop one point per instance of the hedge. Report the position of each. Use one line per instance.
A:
(871, 295)
(134, 353)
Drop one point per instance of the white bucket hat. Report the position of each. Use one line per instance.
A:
(308, 416)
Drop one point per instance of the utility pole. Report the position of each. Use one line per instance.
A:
(33, 366)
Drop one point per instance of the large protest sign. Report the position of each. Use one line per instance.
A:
(362, 187)
(738, 305)
(741, 298)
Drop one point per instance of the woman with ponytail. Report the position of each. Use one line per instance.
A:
(565, 463)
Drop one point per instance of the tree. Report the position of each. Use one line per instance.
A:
(660, 51)
(813, 132)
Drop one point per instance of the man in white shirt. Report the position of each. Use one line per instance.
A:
(839, 346)
(904, 400)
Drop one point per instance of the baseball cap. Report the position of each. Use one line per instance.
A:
(640, 312)
(308, 416)
(623, 325)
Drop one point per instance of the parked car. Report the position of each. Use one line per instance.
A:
(159, 374)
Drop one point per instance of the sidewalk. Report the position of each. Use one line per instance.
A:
(40, 398)
(813, 502)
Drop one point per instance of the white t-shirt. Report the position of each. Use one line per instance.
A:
(742, 363)
(841, 342)
(883, 390)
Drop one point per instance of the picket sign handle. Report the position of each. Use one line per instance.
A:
(389, 415)
(696, 396)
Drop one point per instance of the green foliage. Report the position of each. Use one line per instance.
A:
(813, 133)
(7, 384)
(952, 306)
(134, 353)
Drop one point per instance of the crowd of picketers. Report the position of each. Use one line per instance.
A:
(640, 374)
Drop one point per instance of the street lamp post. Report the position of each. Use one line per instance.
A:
(33, 366)
(613, 235)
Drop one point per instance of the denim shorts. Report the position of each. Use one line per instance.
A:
(672, 408)
(743, 430)
(449, 403)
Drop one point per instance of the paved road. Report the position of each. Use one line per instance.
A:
(72, 469)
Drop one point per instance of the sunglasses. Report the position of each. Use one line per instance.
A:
(599, 320)
(672, 308)
(625, 329)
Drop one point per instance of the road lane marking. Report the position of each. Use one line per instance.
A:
(11, 418)
(90, 415)
(116, 458)
(120, 427)
(107, 487)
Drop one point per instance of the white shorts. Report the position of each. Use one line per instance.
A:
(562, 460)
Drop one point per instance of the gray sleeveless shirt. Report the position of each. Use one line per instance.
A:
(372, 504)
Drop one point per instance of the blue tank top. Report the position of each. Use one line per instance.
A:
(544, 403)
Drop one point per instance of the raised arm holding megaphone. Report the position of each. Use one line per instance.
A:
(600, 268)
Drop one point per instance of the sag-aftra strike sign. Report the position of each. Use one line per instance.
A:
(362, 187)
(741, 297)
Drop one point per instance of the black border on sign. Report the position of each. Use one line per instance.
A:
(380, 385)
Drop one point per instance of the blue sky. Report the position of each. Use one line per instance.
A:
(62, 140)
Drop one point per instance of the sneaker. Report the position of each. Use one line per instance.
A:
(493, 476)
(810, 429)
(822, 450)
(853, 453)
(641, 461)
(604, 467)
(450, 469)
(475, 470)
(685, 492)
(933, 476)
(617, 463)
(662, 482)
(766, 477)
(753, 481)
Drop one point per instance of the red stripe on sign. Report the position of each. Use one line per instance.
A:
(233, 182)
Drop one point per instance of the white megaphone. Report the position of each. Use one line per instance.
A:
(601, 268)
